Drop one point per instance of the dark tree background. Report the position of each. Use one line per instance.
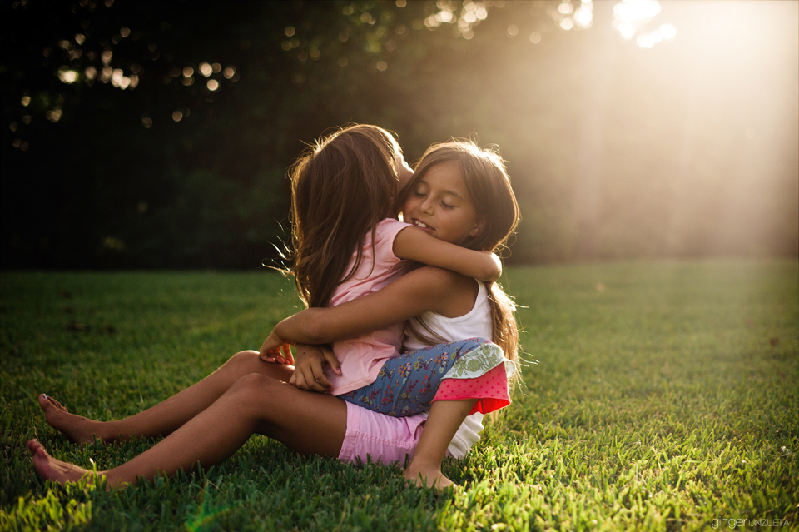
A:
(141, 134)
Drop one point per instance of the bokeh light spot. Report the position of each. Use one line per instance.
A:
(67, 76)
(54, 114)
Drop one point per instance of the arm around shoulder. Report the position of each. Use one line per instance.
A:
(414, 244)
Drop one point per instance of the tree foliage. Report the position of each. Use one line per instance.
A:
(157, 134)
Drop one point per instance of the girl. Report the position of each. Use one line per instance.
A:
(452, 307)
(246, 395)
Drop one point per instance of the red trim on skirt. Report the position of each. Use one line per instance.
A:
(490, 390)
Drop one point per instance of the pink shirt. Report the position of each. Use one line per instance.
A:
(362, 357)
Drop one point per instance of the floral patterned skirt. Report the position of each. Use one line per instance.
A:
(408, 383)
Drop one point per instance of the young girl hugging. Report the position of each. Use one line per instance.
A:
(345, 193)
(462, 195)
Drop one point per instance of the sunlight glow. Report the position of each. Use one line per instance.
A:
(470, 15)
(568, 15)
(584, 16)
(630, 18)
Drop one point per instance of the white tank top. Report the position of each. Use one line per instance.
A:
(475, 324)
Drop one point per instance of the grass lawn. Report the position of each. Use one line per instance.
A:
(658, 396)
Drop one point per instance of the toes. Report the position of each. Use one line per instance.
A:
(46, 402)
(36, 448)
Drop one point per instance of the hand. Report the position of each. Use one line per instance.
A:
(274, 349)
(309, 368)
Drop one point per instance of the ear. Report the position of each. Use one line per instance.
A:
(479, 225)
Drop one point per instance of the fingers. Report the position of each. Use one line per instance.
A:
(289, 358)
(330, 358)
(308, 380)
(304, 382)
(323, 384)
(309, 370)
(280, 355)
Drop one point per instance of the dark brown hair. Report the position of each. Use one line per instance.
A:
(487, 182)
(340, 189)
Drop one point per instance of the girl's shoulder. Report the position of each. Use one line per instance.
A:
(455, 294)
(390, 227)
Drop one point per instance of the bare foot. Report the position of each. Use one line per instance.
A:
(77, 429)
(431, 478)
(51, 469)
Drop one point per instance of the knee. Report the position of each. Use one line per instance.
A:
(243, 359)
(255, 385)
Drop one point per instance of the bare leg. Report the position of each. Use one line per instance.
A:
(441, 425)
(169, 415)
(308, 422)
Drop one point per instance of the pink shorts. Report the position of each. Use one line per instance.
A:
(384, 438)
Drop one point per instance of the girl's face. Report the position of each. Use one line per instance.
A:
(440, 205)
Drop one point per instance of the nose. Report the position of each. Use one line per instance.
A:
(426, 206)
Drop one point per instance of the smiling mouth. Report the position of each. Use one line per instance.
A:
(421, 225)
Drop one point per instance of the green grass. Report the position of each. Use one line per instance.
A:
(658, 396)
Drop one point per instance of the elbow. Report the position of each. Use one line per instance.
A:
(490, 273)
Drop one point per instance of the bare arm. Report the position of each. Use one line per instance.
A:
(421, 290)
(414, 244)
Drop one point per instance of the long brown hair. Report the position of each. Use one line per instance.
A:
(340, 189)
(487, 182)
